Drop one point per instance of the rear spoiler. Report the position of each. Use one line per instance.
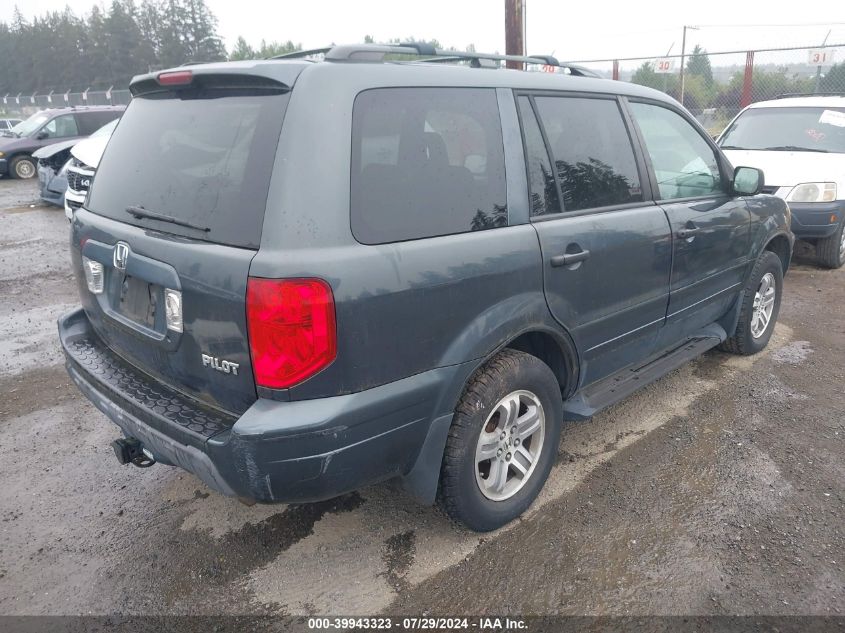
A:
(179, 79)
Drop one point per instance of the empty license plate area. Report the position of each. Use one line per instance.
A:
(138, 301)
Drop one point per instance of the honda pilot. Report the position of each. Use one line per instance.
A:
(299, 277)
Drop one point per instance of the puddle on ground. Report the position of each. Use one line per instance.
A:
(794, 353)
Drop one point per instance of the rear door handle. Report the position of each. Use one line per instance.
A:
(690, 231)
(569, 258)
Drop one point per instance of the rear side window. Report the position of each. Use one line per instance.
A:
(592, 151)
(426, 162)
(89, 122)
(61, 127)
(200, 157)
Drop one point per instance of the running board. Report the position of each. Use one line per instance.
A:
(622, 384)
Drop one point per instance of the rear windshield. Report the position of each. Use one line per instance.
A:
(201, 157)
(788, 129)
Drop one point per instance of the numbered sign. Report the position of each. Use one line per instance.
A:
(547, 68)
(664, 65)
(822, 56)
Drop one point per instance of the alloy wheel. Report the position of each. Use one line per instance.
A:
(509, 445)
(764, 305)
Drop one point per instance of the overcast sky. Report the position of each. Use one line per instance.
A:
(569, 30)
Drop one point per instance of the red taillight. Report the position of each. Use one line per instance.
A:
(292, 333)
(175, 78)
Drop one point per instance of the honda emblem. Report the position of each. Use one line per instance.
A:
(121, 254)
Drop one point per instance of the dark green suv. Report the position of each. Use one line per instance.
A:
(302, 277)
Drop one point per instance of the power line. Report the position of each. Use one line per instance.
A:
(741, 26)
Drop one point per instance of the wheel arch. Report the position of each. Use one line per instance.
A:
(780, 245)
(552, 346)
(555, 350)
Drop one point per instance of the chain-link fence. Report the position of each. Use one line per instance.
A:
(716, 86)
(713, 86)
(23, 105)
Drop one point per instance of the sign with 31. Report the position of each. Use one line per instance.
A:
(821, 56)
(664, 65)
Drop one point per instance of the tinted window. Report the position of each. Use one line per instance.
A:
(592, 151)
(92, 121)
(542, 187)
(60, 127)
(203, 157)
(684, 163)
(426, 162)
(784, 129)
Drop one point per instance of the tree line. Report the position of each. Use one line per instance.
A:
(61, 50)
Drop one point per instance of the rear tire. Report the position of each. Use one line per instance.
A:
(760, 307)
(511, 410)
(831, 250)
(23, 167)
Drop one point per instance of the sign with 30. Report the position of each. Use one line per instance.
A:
(664, 65)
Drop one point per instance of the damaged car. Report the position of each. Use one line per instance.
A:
(46, 128)
(84, 159)
(52, 171)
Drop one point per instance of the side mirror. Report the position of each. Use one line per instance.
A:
(41, 136)
(748, 181)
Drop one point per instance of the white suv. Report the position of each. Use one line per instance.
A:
(85, 157)
(799, 143)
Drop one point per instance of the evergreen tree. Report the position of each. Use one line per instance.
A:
(200, 26)
(241, 50)
(833, 80)
(274, 49)
(699, 64)
(62, 51)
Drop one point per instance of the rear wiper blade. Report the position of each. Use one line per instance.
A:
(794, 148)
(141, 212)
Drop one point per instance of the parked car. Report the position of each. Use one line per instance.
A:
(799, 142)
(8, 124)
(85, 156)
(299, 278)
(45, 128)
(52, 163)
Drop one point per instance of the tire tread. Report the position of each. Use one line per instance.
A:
(739, 342)
(490, 377)
(827, 249)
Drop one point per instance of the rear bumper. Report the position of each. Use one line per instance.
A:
(816, 219)
(4, 167)
(276, 451)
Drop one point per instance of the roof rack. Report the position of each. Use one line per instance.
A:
(377, 52)
(787, 95)
(297, 54)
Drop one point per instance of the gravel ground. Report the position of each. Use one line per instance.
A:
(717, 490)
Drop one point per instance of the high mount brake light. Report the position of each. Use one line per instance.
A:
(175, 78)
(292, 330)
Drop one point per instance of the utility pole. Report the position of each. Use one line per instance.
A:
(666, 75)
(683, 51)
(819, 68)
(515, 30)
